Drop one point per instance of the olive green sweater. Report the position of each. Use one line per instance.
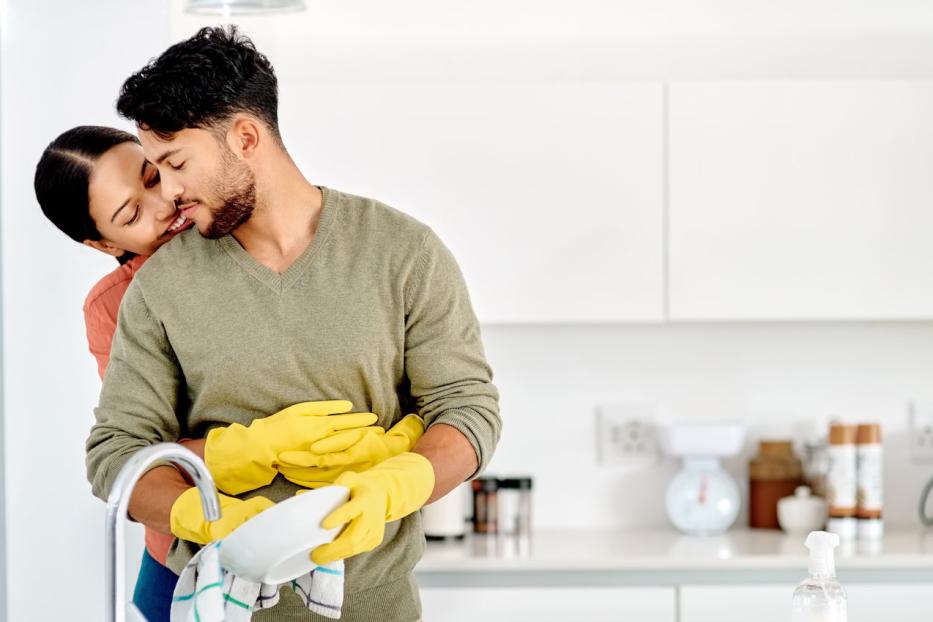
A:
(375, 311)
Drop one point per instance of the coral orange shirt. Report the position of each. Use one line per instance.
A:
(100, 319)
(101, 306)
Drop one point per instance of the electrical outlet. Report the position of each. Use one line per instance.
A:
(920, 431)
(625, 434)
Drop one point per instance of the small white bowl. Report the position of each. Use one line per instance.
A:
(801, 512)
(275, 546)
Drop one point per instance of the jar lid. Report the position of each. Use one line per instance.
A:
(868, 433)
(485, 484)
(842, 434)
(775, 461)
(776, 448)
(519, 483)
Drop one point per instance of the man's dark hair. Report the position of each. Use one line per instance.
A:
(200, 83)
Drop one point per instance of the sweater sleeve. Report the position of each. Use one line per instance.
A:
(139, 396)
(444, 358)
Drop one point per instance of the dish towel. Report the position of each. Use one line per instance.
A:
(206, 592)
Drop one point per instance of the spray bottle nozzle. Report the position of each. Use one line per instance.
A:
(821, 545)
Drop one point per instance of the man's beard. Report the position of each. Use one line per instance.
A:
(237, 190)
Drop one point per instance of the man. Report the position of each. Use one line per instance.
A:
(290, 293)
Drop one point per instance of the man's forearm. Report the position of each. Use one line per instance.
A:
(157, 490)
(451, 455)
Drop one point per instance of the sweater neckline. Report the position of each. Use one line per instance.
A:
(281, 282)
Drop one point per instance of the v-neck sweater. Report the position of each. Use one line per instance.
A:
(374, 311)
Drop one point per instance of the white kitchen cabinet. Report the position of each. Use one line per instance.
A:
(537, 604)
(772, 603)
(549, 195)
(801, 200)
(735, 603)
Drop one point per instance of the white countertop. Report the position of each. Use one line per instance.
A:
(667, 550)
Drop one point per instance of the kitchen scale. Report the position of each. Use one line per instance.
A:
(702, 499)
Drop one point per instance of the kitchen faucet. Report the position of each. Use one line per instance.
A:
(118, 504)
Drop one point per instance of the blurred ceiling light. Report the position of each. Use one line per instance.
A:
(242, 7)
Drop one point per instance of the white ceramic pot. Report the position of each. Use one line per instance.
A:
(801, 512)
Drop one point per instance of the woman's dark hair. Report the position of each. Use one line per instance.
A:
(62, 176)
(200, 83)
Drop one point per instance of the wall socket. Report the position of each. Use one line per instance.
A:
(626, 434)
(920, 431)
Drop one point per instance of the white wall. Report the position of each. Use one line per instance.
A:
(63, 64)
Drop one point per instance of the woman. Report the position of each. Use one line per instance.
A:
(95, 185)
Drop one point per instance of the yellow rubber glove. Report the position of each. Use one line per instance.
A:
(187, 517)
(242, 458)
(387, 492)
(351, 450)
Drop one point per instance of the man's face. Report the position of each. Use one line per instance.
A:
(205, 179)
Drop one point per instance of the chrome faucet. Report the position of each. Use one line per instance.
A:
(118, 505)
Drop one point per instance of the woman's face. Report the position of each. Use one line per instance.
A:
(127, 206)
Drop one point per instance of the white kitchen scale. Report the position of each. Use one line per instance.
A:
(702, 499)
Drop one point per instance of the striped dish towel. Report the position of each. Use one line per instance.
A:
(205, 592)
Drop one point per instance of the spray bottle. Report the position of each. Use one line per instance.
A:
(820, 597)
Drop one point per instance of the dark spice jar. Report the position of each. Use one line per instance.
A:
(773, 474)
(485, 504)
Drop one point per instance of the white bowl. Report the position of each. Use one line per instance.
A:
(275, 546)
(801, 512)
